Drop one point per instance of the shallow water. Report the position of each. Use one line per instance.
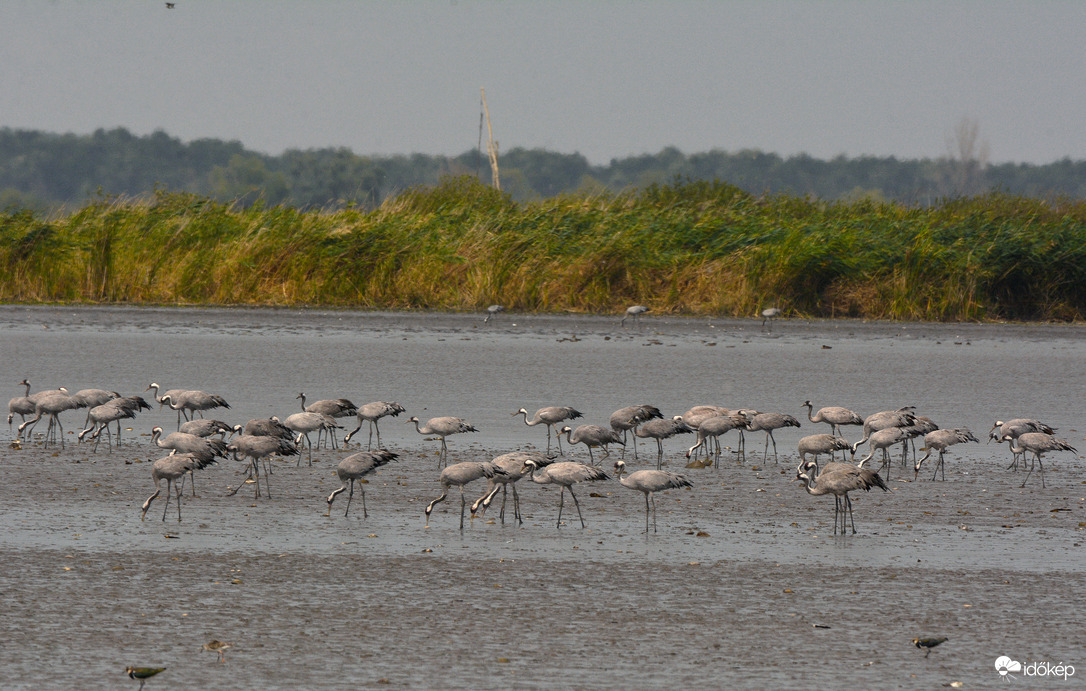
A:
(728, 591)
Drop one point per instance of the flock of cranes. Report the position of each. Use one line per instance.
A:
(200, 442)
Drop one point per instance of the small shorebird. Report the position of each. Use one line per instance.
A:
(928, 643)
(142, 673)
(216, 646)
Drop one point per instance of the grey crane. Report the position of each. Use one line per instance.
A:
(266, 427)
(711, 428)
(550, 416)
(513, 465)
(591, 436)
(634, 312)
(205, 427)
(201, 448)
(372, 412)
(625, 419)
(649, 482)
(839, 482)
(114, 410)
(333, 408)
(192, 402)
(1037, 443)
(90, 398)
(1014, 429)
(818, 444)
(770, 314)
(51, 404)
(694, 417)
(165, 398)
(355, 467)
(834, 416)
(661, 429)
(939, 440)
(258, 448)
(902, 417)
(491, 311)
(565, 474)
(460, 474)
(442, 427)
(922, 426)
(34, 399)
(882, 439)
(768, 422)
(303, 423)
(20, 405)
(810, 468)
(171, 468)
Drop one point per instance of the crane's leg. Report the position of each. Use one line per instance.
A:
(578, 505)
(633, 433)
(549, 440)
(848, 504)
(349, 498)
(365, 514)
(1041, 465)
(647, 513)
(659, 453)
(1033, 463)
(192, 474)
(561, 503)
(501, 514)
(444, 456)
(169, 491)
(590, 456)
(463, 502)
(373, 425)
(179, 492)
(516, 505)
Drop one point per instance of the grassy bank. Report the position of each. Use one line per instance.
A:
(697, 248)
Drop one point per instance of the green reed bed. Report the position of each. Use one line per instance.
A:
(689, 248)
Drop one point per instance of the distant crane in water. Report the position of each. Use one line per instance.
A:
(20, 405)
(565, 474)
(591, 436)
(513, 465)
(460, 474)
(939, 440)
(356, 467)
(834, 416)
(1014, 429)
(711, 428)
(492, 311)
(818, 444)
(258, 448)
(649, 482)
(172, 468)
(660, 429)
(768, 422)
(305, 422)
(839, 482)
(550, 416)
(634, 312)
(1037, 443)
(372, 412)
(333, 408)
(625, 419)
(442, 427)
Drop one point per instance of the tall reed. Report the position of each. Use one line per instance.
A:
(688, 248)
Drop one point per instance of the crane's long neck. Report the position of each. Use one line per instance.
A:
(302, 397)
(810, 411)
(26, 383)
(524, 413)
(1011, 443)
(569, 436)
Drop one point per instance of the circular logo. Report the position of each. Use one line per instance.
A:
(1004, 665)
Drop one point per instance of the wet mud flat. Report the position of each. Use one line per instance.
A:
(733, 590)
(744, 583)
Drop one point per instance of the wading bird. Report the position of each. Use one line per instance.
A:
(926, 644)
(200, 447)
(768, 422)
(259, 448)
(218, 647)
(711, 428)
(591, 436)
(1014, 429)
(883, 439)
(172, 468)
(114, 410)
(818, 444)
(648, 482)
(51, 404)
(839, 483)
(939, 440)
(372, 412)
(355, 467)
(564, 474)
(20, 405)
(442, 427)
(333, 408)
(303, 423)
(769, 315)
(834, 416)
(266, 427)
(513, 465)
(1037, 443)
(550, 416)
(188, 403)
(659, 430)
(205, 428)
(144, 673)
(628, 418)
(460, 474)
(491, 311)
(634, 312)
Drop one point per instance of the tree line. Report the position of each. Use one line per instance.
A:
(43, 171)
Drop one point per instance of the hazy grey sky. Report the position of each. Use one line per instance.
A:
(606, 79)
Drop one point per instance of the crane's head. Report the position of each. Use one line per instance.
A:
(529, 467)
(620, 468)
(522, 411)
(156, 432)
(411, 419)
(563, 430)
